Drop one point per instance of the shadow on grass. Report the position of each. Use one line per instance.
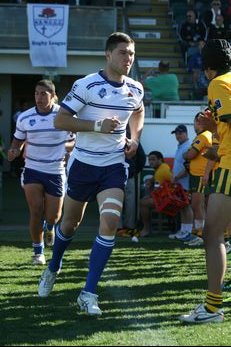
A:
(30, 320)
(142, 287)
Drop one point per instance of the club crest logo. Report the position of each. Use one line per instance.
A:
(32, 122)
(102, 93)
(218, 104)
(48, 21)
(68, 97)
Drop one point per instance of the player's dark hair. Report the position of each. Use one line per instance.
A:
(48, 84)
(198, 115)
(158, 154)
(216, 55)
(115, 38)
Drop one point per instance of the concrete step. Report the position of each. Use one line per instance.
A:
(152, 9)
(149, 53)
(155, 44)
(151, 26)
(150, 62)
(149, 22)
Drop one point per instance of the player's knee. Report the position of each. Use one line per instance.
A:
(110, 212)
(53, 219)
(68, 227)
(109, 223)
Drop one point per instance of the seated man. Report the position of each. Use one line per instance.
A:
(218, 30)
(157, 82)
(162, 172)
(200, 82)
(190, 32)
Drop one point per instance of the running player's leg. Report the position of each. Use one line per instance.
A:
(110, 203)
(34, 193)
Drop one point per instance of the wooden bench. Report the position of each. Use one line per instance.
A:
(161, 222)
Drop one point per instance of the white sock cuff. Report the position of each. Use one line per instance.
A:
(199, 223)
(188, 228)
(109, 238)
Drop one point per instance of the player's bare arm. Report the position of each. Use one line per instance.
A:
(208, 122)
(15, 149)
(190, 154)
(65, 121)
(136, 123)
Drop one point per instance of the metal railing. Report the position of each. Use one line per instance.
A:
(176, 109)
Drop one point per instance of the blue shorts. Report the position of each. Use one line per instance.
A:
(52, 184)
(86, 181)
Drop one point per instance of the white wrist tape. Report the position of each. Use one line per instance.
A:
(98, 126)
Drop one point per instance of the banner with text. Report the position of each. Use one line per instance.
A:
(47, 31)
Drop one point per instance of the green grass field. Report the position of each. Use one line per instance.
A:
(144, 289)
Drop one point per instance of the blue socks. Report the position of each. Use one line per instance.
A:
(100, 253)
(47, 226)
(38, 248)
(60, 245)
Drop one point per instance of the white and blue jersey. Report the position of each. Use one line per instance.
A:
(44, 144)
(96, 98)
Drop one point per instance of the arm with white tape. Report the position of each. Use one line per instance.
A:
(65, 120)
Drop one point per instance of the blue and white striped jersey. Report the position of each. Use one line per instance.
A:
(44, 145)
(95, 98)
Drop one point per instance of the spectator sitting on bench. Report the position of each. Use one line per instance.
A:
(162, 172)
(190, 32)
(155, 82)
